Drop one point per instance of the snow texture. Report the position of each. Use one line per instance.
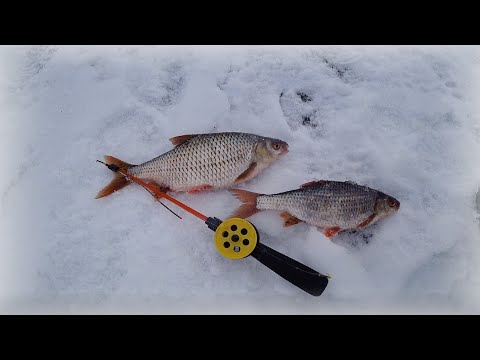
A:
(401, 119)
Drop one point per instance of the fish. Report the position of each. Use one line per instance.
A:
(202, 162)
(331, 206)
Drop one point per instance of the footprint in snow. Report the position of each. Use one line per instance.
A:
(298, 108)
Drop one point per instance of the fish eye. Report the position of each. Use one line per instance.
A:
(276, 146)
(391, 203)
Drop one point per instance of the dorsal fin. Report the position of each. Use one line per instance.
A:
(179, 140)
(314, 183)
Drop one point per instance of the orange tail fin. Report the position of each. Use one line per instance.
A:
(119, 181)
(249, 206)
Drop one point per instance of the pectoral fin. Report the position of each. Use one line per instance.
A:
(366, 222)
(247, 174)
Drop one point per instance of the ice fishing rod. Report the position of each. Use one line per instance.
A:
(237, 238)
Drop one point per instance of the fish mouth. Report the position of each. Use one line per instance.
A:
(284, 147)
(397, 204)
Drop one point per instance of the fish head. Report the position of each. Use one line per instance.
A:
(270, 149)
(386, 205)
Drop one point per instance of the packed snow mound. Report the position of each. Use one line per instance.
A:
(403, 120)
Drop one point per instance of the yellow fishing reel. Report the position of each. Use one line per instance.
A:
(235, 238)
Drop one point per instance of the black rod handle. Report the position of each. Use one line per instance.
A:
(296, 273)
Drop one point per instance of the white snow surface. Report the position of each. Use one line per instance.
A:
(401, 119)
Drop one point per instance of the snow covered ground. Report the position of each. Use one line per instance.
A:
(401, 119)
